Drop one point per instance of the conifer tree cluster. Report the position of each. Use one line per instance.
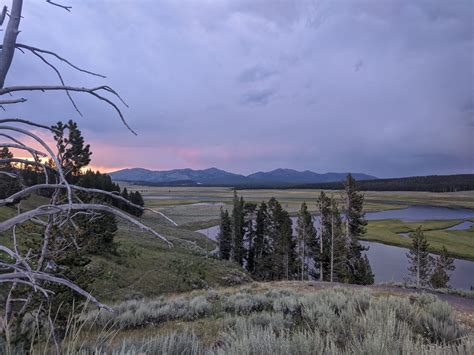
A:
(262, 238)
(424, 269)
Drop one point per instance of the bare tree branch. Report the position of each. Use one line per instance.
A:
(13, 176)
(9, 40)
(67, 8)
(163, 215)
(62, 59)
(23, 147)
(30, 123)
(59, 168)
(91, 91)
(60, 79)
(13, 101)
(2, 15)
(47, 210)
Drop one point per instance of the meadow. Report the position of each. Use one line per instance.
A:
(459, 243)
(199, 208)
(146, 267)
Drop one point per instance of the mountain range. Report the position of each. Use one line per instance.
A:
(213, 176)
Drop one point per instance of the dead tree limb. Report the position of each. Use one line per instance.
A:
(47, 210)
(9, 40)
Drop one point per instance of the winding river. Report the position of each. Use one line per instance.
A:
(389, 263)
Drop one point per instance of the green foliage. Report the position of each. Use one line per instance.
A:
(225, 236)
(283, 259)
(238, 221)
(358, 266)
(263, 249)
(443, 264)
(307, 243)
(433, 183)
(8, 185)
(72, 151)
(419, 258)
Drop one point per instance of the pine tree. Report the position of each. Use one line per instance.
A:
(8, 185)
(286, 248)
(337, 246)
(249, 234)
(322, 257)
(5, 154)
(137, 199)
(306, 239)
(283, 258)
(358, 264)
(225, 235)
(263, 248)
(125, 193)
(238, 219)
(72, 151)
(443, 264)
(419, 258)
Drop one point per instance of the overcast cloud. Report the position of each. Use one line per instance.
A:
(381, 87)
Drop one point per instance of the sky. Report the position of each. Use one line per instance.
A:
(379, 87)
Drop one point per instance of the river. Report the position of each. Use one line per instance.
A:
(389, 263)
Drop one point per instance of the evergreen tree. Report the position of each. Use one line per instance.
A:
(322, 256)
(358, 264)
(249, 228)
(443, 264)
(5, 154)
(419, 258)
(125, 193)
(338, 246)
(8, 185)
(287, 248)
(137, 199)
(263, 248)
(238, 220)
(283, 259)
(306, 239)
(72, 151)
(225, 235)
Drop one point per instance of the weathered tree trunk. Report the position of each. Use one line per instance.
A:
(321, 250)
(332, 246)
(9, 40)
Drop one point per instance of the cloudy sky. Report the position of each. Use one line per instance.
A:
(381, 87)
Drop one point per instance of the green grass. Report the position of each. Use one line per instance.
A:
(146, 266)
(459, 243)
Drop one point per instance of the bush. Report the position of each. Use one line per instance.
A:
(332, 321)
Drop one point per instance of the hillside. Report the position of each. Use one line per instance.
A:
(144, 266)
(214, 177)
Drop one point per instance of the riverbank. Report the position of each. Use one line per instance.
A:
(459, 243)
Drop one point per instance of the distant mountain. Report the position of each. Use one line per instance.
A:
(210, 176)
(213, 176)
(286, 176)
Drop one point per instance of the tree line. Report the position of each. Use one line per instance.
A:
(432, 183)
(262, 239)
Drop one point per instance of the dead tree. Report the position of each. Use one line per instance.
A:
(25, 267)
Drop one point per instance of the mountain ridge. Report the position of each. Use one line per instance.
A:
(215, 176)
